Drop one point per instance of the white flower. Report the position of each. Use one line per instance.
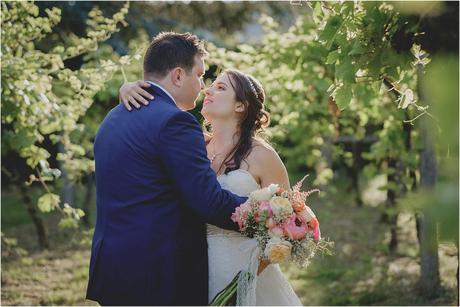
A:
(281, 207)
(278, 250)
(261, 195)
(273, 188)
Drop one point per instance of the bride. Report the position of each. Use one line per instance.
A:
(234, 109)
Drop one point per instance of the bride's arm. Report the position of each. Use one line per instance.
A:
(133, 93)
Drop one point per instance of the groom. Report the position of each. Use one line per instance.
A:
(156, 189)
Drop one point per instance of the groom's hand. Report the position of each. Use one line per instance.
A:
(133, 93)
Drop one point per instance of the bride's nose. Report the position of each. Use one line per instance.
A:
(207, 91)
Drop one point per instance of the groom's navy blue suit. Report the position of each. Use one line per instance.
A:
(155, 192)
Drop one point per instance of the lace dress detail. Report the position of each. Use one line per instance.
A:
(228, 253)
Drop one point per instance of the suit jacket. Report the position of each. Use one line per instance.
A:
(155, 192)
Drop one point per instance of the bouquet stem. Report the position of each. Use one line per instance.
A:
(227, 297)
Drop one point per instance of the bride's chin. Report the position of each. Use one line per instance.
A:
(206, 116)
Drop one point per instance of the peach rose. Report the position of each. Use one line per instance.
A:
(278, 250)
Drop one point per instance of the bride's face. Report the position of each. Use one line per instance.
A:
(219, 101)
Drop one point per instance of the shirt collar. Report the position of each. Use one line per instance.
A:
(163, 89)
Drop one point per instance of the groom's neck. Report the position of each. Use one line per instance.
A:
(161, 82)
(164, 84)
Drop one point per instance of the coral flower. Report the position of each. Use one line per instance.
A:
(313, 225)
(298, 206)
(306, 214)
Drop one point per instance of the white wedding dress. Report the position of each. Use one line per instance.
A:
(228, 253)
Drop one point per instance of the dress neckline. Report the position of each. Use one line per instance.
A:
(244, 171)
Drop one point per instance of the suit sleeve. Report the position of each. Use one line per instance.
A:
(183, 151)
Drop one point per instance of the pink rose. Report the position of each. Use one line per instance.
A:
(241, 214)
(236, 217)
(246, 207)
(265, 207)
(295, 228)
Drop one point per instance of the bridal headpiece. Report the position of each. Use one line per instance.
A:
(251, 85)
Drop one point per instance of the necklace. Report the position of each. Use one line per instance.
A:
(214, 156)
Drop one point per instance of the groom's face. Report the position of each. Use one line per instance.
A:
(193, 84)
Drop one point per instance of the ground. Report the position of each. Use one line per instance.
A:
(361, 271)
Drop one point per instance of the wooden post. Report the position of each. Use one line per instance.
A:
(426, 223)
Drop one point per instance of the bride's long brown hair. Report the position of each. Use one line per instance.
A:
(253, 121)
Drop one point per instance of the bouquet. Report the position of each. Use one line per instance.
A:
(285, 229)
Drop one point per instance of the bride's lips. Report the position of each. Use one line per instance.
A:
(207, 100)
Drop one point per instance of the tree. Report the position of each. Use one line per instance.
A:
(42, 101)
(354, 79)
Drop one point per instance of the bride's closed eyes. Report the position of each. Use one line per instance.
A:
(222, 86)
(219, 85)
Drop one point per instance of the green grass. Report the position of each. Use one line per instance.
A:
(362, 271)
(49, 278)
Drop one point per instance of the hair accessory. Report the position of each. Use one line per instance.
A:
(252, 86)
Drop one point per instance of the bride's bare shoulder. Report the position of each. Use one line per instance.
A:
(263, 157)
(262, 148)
(267, 165)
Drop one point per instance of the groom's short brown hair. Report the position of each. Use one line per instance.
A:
(169, 50)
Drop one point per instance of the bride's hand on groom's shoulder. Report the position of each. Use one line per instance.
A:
(132, 93)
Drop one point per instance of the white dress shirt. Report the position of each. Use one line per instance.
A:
(164, 90)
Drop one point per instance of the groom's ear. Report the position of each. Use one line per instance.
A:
(177, 76)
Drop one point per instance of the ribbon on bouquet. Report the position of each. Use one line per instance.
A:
(247, 281)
